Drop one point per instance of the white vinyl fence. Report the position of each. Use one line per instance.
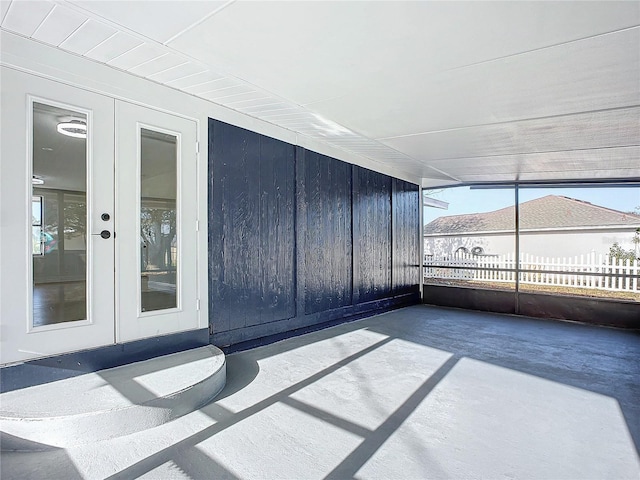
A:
(584, 271)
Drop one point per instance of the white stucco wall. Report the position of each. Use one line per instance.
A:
(491, 244)
(570, 244)
(541, 243)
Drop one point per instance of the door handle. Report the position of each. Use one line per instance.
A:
(104, 234)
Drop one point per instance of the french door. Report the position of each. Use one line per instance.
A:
(98, 242)
(156, 204)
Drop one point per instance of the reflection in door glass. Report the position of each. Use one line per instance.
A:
(158, 221)
(59, 215)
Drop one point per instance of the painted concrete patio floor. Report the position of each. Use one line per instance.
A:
(420, 392)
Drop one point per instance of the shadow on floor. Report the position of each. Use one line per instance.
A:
(600, 360)
(591, 358)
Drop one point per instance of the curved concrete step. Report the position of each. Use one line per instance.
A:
(114, 402)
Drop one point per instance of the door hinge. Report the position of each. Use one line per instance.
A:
(197, 225)
(210, 329)
(197, 147)
(198, 304)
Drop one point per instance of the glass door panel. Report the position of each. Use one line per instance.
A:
(59, 211)
(158, 220)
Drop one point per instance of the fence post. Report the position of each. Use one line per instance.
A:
(626, 274)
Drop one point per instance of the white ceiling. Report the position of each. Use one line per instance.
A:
(445, 91)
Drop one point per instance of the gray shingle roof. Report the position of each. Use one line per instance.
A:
(552, 211)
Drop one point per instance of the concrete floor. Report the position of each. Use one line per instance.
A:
(421, 392)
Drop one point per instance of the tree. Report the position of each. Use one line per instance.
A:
(158, 230)
(620, 254)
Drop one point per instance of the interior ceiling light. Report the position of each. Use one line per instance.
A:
(73, 127)
(36, 180)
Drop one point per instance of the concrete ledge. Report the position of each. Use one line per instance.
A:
(597, 311)
(113, 402)
(497, 301)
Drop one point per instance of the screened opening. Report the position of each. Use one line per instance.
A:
(575, 240)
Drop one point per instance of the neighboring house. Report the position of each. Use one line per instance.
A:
(554, 225)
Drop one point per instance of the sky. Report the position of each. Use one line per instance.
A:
(466, 200)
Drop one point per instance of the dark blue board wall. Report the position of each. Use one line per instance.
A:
(328, 248)
(405, 231)
(298, 239)
(252, 233)
(372, 229)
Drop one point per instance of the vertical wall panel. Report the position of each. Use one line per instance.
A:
(372, 235)
(405, 223)
(277, 230)
(251, 228)
(328, 233)
(298, 239)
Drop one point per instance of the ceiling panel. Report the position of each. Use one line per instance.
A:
(265, 100)
(158, 64)
(257, 98)
(592, 74)
(594, 163)
(288, 118)
(373, 43)
(212, 85)
(232, 89)
(491, 178)
(178, 72)
(4, 7)
(113, 47)
(611, 162)
(158, 20)
(608, 128)
(229, 92)
(430, 172)
(24, 17)
(58, 25)
(297, 114)
(137, 56)
(88, 36)
(274, 108)
(195, 79)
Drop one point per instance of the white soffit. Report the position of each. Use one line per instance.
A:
(157, 20)
(446, 91)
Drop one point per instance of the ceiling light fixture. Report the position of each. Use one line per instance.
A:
(72, 127)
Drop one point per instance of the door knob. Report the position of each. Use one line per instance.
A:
(104, 234)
